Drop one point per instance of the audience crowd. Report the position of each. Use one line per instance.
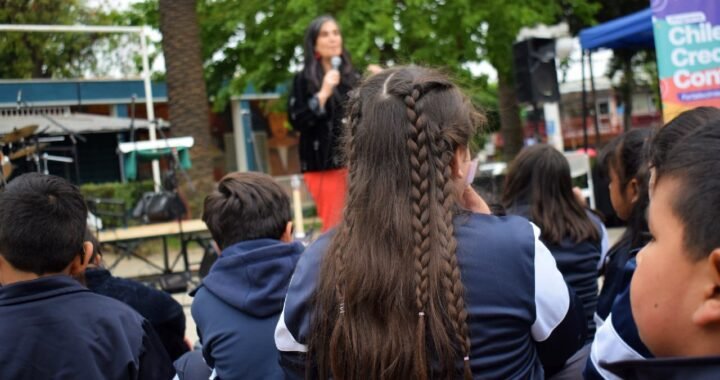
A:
(418, 278)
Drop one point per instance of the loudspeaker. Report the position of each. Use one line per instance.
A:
(534, 68)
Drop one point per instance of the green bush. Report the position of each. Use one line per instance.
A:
(129, 192)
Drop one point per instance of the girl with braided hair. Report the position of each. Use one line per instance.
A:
(417, 280)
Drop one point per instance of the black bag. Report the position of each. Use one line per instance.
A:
(159, 207)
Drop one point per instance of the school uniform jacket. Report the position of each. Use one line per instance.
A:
(238, 305)
(162, 311)
(54, 328)
(695, 368)
(521, 315)
(617, 339)
(578, 262)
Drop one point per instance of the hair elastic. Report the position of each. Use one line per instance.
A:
(422, 313)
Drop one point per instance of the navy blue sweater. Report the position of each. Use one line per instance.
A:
(238, 305)
(54, 328)
(522, 316)
(695, 368)
(617, 338)
(159, 308)
(578, 262)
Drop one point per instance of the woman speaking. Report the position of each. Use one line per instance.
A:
(316, 109)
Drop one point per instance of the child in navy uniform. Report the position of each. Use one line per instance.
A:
(162, 311)
(618, 339)
(416, 282)
(625, 162)
(53, 327)
(238, 305)
(675, 290)
(538, 186)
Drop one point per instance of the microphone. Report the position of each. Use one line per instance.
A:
(336, 61)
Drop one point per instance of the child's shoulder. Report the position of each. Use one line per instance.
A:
(509, 231)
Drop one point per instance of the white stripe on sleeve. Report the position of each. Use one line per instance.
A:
(284, 340)
(609, 347)
(604, 246)
(552, 300)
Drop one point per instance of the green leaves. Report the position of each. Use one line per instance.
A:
(49, 55)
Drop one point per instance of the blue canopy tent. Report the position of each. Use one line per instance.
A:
(632, 32)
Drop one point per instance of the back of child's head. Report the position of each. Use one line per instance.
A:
(672, 132)
(540, 177)
(42, 223)
(246, 206)
(406, 128)
(624, 156)
(674, 290)
(694, 162)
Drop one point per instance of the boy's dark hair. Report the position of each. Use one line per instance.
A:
(695, 162)
(540, 177)
(246, 206)
(42, 223)
(682, 125)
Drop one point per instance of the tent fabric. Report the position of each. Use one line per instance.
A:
(130, 160)
(634, 31)
(76, 122)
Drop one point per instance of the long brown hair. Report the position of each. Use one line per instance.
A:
(540, 177)
(390, 276)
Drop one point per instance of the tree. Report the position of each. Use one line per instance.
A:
(49, 55)
(624, 61)
(260, 41)
(187, 97)
(504, 20)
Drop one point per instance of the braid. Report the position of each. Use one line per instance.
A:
(451, 278)
(340, 334)
(417, 144)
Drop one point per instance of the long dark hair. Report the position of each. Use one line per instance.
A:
(540, 177)
(390, 275)
(625, 156)
(313, 69)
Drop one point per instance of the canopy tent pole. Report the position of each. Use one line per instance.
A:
(149, 105)
(584, 103)
(596, 117)
(140, 30)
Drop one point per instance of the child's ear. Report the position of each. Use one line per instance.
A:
(80, 262)
(287, 235)
(709, 310)
(632, 190)
(456, 165)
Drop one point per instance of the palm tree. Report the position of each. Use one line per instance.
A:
(187, 96)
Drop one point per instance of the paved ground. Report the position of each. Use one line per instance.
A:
(135, 267)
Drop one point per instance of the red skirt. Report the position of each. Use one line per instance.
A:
(328, 191)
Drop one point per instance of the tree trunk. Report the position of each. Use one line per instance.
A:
(187, 97)
(510, 123)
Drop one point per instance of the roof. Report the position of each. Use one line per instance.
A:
(634, 31)
(45, 92)
(601, 83)
(75, 122)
